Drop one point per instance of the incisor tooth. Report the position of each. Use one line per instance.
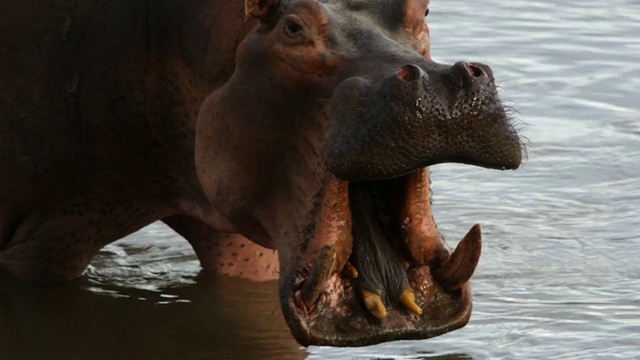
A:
(374, 304)
(319, 274)
(409, 300)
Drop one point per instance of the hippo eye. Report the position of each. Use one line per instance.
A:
(292, 29)
(426, 13)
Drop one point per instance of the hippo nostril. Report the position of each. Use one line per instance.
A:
(474, 70)
(408, 73)
(470, 69)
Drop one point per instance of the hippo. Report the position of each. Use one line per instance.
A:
(285, 139)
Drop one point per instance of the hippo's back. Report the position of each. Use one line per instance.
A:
(98, 103)
(71, 89)
(81, 164)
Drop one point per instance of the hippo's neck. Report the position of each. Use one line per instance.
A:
(191, 53)
(275, 139)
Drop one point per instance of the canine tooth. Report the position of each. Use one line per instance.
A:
(408, 299)
(319, 274)
(457, 270)
(351, 270)
(374, 304)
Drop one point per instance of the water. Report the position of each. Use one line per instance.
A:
(559, 277)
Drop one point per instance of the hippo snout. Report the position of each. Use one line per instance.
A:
(420, 115)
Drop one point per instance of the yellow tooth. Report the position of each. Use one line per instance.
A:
(350, 270)
(374, 304)
(405, 264)
(409, 300)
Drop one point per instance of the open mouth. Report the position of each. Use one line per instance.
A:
(388, 275)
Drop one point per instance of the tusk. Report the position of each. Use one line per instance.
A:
(457, 270)
(374, 304)
(408, 299)
(320, 272)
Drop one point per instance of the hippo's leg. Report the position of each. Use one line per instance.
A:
(58, 244)
(225, 253)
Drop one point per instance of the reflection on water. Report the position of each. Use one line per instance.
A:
(560, 272)
(211, 318)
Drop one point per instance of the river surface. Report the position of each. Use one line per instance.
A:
(559, 276)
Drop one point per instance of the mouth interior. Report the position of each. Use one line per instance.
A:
(397, 281)
(378, 245)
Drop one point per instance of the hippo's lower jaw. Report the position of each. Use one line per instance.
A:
(394, 246)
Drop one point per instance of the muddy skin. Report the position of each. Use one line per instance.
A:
(283, 139)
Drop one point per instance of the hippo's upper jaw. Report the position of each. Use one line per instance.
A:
(419, 116)
(319, 142)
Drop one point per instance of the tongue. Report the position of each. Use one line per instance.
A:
(380, 270)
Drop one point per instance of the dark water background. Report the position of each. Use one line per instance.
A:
(559, 276)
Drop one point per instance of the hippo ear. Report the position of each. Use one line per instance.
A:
(414, 13)
(264, 10)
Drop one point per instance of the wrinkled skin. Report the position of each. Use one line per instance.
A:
(313, 123)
